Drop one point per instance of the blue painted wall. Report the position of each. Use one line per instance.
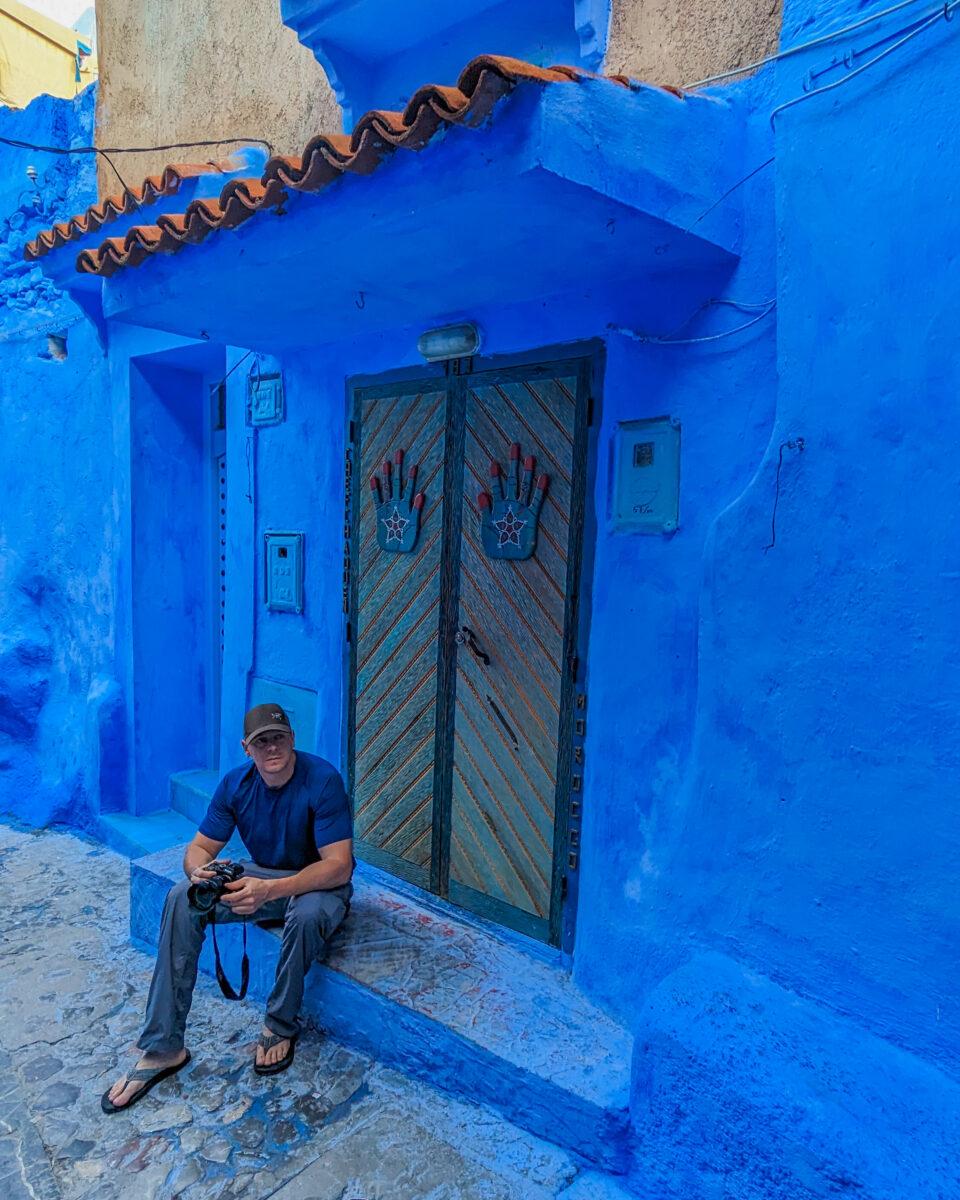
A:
(299, 487)
(808, 830)
(166, 665)
(172, 527)
(57, 516)
(784, 892)
(829, 698)
(98, 520)
(377, 55)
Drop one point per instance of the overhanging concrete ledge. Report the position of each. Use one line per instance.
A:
(592, 185)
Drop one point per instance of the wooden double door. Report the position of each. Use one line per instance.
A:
(465, 580)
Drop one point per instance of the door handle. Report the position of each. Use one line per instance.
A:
(497, 712)
(465, 635)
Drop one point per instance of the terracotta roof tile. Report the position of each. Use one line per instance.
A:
(98, 215)
(328, 157)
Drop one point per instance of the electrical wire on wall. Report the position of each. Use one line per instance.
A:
(799, 445)
(113, 166)
(19, 144)
(107, 152)
(763, 309)
(216, 387)
(944, 13)
(729, 192)
(823, 40)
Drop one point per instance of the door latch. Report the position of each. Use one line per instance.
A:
(464, 636)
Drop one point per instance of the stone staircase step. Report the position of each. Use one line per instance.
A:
(481, 1013)
(135, 836)
(190, 793)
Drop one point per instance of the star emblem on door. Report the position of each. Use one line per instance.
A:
(398, 507)
(508, 529)
(395, 525)
(508, 524)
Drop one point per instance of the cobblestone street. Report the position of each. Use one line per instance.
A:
(334, 1127)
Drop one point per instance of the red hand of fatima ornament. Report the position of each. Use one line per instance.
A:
(398, 509)
(509, 518)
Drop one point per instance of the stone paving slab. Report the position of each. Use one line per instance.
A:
(337, 1125)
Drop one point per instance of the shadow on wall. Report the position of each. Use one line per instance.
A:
(26, 660)
(33, 686)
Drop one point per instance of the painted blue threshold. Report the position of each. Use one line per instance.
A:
(449, 1002)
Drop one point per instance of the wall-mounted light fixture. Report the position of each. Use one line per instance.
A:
(449, 341)
(36, 196)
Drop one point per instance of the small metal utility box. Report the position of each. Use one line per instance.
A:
(646, 476)
(283, 571)
(264, 400)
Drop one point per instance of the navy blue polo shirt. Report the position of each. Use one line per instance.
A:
(281, 827)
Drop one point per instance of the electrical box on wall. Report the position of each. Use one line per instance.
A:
(283, 571)
(646, 476)
(265, 399)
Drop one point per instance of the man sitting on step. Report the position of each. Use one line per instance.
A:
(292, 814)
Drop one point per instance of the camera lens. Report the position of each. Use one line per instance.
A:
(203, 896)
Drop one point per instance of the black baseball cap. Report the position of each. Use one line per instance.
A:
(265, 718)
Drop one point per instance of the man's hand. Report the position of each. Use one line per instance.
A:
(246, 895)
(204, 872)
(199, 856)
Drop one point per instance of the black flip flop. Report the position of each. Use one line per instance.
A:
(267, 1043)
(149, 1076)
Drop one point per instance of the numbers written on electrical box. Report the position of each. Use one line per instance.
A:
(646, 476)
(283, 571)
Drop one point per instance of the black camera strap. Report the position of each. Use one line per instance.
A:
(222, 979)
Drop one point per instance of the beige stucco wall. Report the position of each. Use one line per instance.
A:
(681, 41)
(178, 70)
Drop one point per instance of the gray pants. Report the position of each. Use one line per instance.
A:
(308, 920)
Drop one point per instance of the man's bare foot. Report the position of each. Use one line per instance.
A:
(266, 1058)
(122, 1092)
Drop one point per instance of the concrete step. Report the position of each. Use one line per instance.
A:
(190, 793)
(135, 836)
(480, 1012)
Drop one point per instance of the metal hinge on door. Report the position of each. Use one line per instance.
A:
(347, 489)
(576, 783)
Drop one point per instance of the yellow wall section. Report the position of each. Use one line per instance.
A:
(38, 56)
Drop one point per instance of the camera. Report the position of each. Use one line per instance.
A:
(206, 894)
